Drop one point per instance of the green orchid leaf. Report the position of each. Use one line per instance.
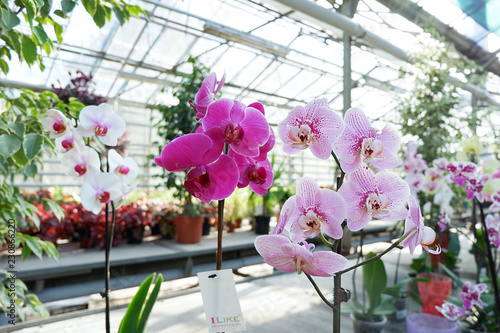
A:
(374, 281)
(131, 318)
(149, 305)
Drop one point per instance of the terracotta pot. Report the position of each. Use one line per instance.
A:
(189, 229)
(434, 292)
(442, 239)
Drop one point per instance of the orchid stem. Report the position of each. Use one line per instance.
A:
(220, 230)
(491, 267)
(319, 291)
(325, 241)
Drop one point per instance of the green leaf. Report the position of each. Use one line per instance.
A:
(131, 318)
(119, 15)
(141, 327)
(32, 145)
(25, 252)
(451, 274)
(29, 50)
(55, 208)
(40, 34)
(14, 41)
(100, 16)
(18, 129)
(60, 13)
(31, 170)
(34, 246)
(91, 6)
(135, 10)
(31, 9)
(51, 250)
(4, 66)
(374, 281)
(58, 29)
(68, 6)
(9, 144)
(45, 10)
(9, 19)
(20, 158)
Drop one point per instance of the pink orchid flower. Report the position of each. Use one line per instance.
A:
(471, 294)
(493, 228)
(245, 128)
(102, 122)
(311, 211)
(256, 174)
(56, 123)
(416, 181)
(495, 205)
(413, 160)
(314, 126)
(416, 231)
(443, 221)
(123, 167)
(212, 176)
(361, 142)
(460, 171)
(382, 196)
(475, 185)
(206, 95)
(81, 162)
(100, 189)
(451, 311)
(279, 252)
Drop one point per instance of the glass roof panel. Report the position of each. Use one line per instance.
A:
(169, 48)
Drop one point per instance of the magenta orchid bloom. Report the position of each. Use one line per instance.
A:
(123, 167)
(361, 142)
(256, 174)
(471, 294)
(311, 211)
(56, 123)
(475, 185)
(100, 189)
(212, 176)
(495, 205)
(102, 122)
(245, 128)
(81, 162)
(493, 228)
(415, 230)
(460, 171)
(451, 311)
(206, 95)
(382, 196)
(279, 252)
(314, 126)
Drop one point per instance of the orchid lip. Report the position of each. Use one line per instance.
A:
(101, 130)
(59, 127)
(124, 170)
(80, 169)
(104, 197)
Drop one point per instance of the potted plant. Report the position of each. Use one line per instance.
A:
(189, 221)
(371, 316)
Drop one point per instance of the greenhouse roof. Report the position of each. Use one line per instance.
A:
(279, 52)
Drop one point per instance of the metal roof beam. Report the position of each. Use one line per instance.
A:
(416, 14)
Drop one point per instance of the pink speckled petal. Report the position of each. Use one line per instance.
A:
(329, 262)
(306, 193)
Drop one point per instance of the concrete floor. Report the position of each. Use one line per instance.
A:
(277, 303)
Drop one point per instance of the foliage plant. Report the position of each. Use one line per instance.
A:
(429, 112)
(80, 87)
(23, 31)
(180, 119)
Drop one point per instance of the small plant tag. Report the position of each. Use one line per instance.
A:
(222, 307)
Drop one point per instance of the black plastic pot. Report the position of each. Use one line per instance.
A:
(262, 224)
